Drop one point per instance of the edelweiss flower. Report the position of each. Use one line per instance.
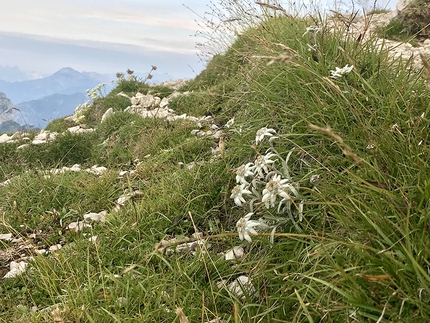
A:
(312, 29)
(244, 171)
(229, 123)
(263, 132)
(237, 194)
(245, 227)
(277, 187)
(339, 72)
(262, 163)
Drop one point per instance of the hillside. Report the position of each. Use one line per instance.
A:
(288, 182)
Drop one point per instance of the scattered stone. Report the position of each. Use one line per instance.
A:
(95, 217)
(44, 137)
(96, 170)
(94, 239)
(239, 286)
(125, 198)
(6, 236)
(55, 247)
(77, 226)
(235, 253)
(108, 113)
(79, 129)
(16, 269)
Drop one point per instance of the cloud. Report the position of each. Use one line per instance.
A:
(146, 24)
(46, 54)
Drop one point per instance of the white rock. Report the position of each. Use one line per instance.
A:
(55, 247)
(6, 182)
(94, 217)
(43, 137)
(157, 101)
(6, 236)
(4, 138)
(108, 113)
(79, 129)
(94, 239)
(235, 253)
(96, 170)
(78, 226)
(16, 269)
(164, 103)
(16, 135)
(239, 286)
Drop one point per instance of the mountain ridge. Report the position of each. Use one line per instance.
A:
(64, 81)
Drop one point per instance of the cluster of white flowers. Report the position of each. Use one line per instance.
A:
(312, 30)
(260, 184)
(340, 72)
(98, 92)
(81, 110)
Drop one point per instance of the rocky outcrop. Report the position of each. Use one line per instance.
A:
(415, 17)
(6, 108)
(364, 28)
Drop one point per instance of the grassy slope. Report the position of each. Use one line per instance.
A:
(361, 253)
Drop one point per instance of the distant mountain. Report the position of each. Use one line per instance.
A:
(64, 81)
(12, 127)
(14, 74)
(41, 112)
(6, 108)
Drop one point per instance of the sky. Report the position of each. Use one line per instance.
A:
(104, 36)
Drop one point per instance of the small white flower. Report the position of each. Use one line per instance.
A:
(277, 187)
(263, 132)
(314, 178)
(229, 123)
(312, 29)
(245, 227)
(244, 171)
(237, 194)
(262, 163)
(339, 72)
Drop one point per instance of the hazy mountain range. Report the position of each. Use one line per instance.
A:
(14, 74)
(42, 99)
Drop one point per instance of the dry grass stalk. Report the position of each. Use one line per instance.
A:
(346, 149)
(426, 67)
(288, 57)
(56, 315)
(273, 7)
(181, 315)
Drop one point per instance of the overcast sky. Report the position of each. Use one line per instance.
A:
(104, 36)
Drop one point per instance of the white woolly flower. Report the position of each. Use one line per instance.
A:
(245, 227)
(244, 171)
(263, 132)
(98, 92)
(277, 187)
(230, 123)
(312, 29)
(237, 194)
(262, 164)
(339, 72)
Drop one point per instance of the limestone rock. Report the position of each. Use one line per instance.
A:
(415, 17)
(6, 108)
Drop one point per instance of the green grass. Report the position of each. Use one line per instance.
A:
(360, 254)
